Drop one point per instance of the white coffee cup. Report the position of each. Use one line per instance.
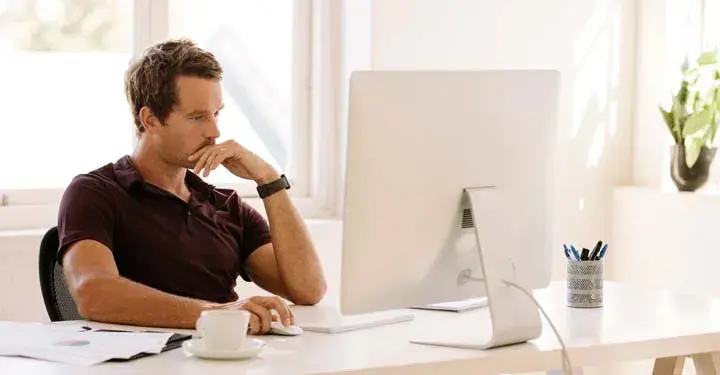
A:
(223, 329)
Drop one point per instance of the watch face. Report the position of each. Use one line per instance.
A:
(273, 187)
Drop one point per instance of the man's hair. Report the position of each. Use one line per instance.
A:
(151, 79)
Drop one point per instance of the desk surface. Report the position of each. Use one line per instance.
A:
(634, 324)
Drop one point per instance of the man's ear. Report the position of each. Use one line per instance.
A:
(148, 119)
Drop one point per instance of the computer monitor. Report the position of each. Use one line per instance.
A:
(423, 148)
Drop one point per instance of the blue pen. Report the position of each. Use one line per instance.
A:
(575, 253)
(602, 252)
(567, 252)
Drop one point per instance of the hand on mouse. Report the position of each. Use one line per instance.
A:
(263, 311)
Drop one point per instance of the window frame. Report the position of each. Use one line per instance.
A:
(317, 131)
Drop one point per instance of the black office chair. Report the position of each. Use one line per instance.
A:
(58, 301)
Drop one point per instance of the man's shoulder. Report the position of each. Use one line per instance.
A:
(102, 181)
(101, 177)
(93, 190)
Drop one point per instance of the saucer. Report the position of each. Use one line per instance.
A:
(250, 348)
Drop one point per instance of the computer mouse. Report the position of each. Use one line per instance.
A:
(277, 328)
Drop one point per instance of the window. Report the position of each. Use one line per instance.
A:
(265, 76)
(63, 64)
(61, 87)
(711, 27)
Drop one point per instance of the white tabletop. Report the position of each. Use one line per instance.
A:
(634, 324)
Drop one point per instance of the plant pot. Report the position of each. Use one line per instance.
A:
(690, 179)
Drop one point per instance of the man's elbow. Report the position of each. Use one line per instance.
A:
(312, 295)
(88, 298)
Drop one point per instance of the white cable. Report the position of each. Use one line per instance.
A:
(566, 364)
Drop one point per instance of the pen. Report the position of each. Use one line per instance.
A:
(585, 253)
(602, 252)
(567, 252)
(574, 252)
(596, 250)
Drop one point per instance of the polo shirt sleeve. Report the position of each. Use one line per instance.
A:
(86, 213)
(256, 232)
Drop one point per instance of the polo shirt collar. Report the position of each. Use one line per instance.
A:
(127, 176)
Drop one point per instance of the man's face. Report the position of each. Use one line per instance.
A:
(192, 123)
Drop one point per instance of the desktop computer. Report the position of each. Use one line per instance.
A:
(448, 187)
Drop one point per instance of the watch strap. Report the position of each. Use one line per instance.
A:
(266, 190)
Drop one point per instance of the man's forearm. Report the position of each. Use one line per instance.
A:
(114, 299)
(297, 260)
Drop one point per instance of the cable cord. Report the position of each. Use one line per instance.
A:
(566, 364)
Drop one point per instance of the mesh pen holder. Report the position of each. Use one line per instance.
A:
(585, 283)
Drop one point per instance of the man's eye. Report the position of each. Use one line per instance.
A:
(198, 118)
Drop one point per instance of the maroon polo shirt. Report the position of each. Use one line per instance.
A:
(195, 249)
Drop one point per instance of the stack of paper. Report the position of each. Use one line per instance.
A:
(73, 345)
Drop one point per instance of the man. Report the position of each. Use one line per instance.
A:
(145, 241)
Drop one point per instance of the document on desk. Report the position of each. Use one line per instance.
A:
(73, 345)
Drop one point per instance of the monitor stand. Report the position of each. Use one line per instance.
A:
(514, 318)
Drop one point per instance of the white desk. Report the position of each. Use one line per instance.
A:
(635, 324)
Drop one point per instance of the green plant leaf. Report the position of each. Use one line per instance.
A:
(679, 110)
(670, 122)
(690, 74)
(696, 122)
(693, 145)
(713, 125)
(695, 102)
(707, 58)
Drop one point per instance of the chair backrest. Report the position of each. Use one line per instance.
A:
(58, 301)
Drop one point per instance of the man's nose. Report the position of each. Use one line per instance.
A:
(212, 129)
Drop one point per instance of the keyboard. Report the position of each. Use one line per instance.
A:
(457, 306)
(348, 323)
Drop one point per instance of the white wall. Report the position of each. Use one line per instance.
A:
(591, 42)
(666, 239)
(668, 30)
(663, 238)
(20, 297)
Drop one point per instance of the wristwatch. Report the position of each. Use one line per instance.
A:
(266, 190)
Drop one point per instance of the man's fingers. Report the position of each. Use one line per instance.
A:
(201, 162)
(278, 305)
(254, 326)
(262, 313)
(217, 158)
(212, 155)
(196, 155)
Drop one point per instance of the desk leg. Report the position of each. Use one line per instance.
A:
(575, 371)
(707, 363)
(669, 366)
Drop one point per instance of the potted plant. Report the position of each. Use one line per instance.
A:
(693, 120)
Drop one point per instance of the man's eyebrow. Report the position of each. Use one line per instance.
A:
(201, 112)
